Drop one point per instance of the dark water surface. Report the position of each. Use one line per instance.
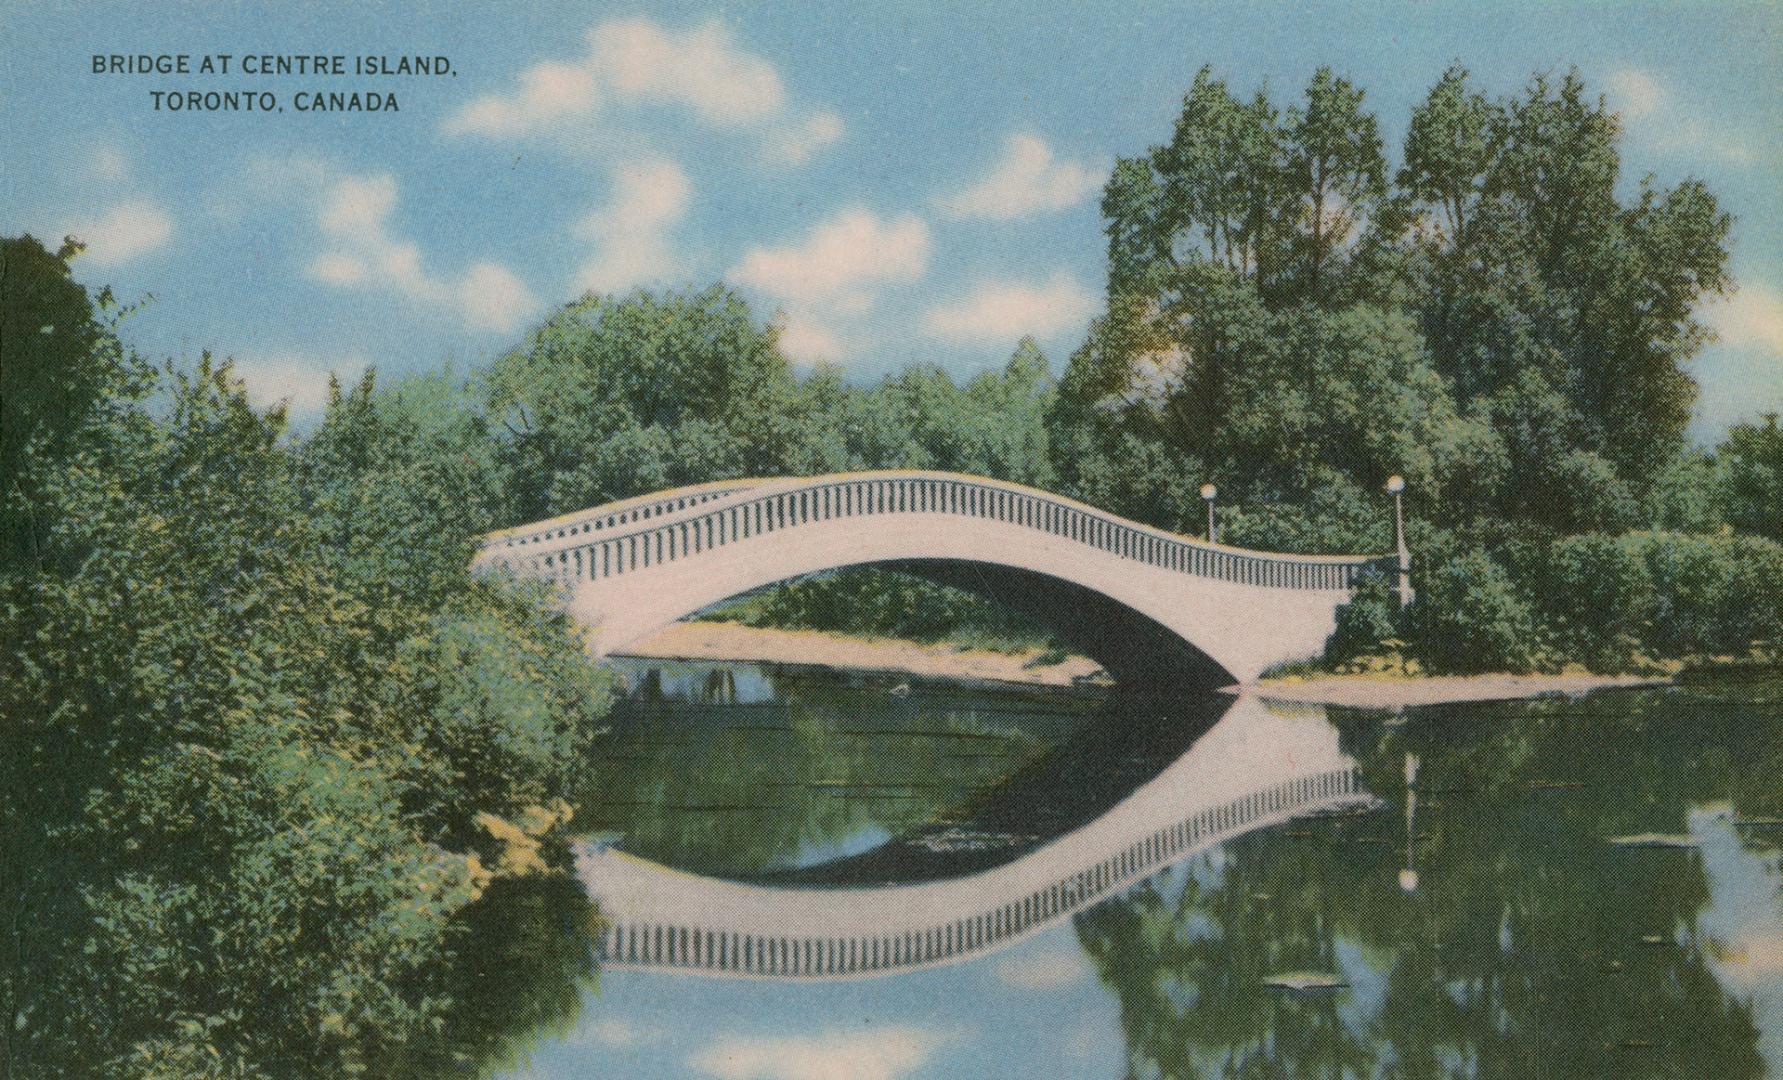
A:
(1588, 887)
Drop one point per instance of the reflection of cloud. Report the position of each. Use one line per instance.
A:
(616, 1034)
(880, 1054)
(1002, 311)
(1026, 181)
(1751, 960)
(1089, 1039)
(1043, 970)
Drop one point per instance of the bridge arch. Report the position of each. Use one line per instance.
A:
(632, 568)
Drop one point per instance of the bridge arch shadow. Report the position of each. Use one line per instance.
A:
(1136, 650)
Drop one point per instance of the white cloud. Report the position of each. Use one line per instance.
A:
(353, 212)
(109, 163)
(631, 232)
(835, 273)
(638, 61)
(808, 342)
(840, 259)
(126, 231)
(1655, 117)
(548, 93)
(1635, 93)
(881, 1054)
(299, 380)
(701, 68)
(1750, 318)
(795, 144)
(490, 297)
(1026, 181)
(997, 311)
(1043, 970)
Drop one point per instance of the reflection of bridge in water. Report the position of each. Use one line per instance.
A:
(1253, 769)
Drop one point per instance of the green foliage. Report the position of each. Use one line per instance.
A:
(1495, 325)
(59, 364)
(885, 603)
(1599, 598)
(1367, 622)
(1750, 461)
(255, 703)
(612, 398)
(1469, 616)
(1612, 599)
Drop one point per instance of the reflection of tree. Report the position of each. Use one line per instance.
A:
(1521, 953)
(527, 955)
(714, 785)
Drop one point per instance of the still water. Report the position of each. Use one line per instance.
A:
(806, 874)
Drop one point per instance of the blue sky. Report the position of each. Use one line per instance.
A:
(899, 183)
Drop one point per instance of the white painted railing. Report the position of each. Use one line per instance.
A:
(626, 537)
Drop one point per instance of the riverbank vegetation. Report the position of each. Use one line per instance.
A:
(264, 731)
(262, 726)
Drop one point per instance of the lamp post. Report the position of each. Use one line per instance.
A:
(1208, 491)
(1396, 488)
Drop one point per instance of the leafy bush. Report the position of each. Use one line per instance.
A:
(253, 708)
(885, 603)
(1470, 617)
(1369, 619)
(1599, 598)
(1714, 595)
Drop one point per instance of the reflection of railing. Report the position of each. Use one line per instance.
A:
(827, 946)
(607, 542)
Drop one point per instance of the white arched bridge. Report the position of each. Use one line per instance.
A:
(1253, 769)
(631, 568)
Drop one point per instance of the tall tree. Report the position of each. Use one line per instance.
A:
(1336, 169)
(615, 397)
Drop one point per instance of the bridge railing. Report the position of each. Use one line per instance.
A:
(711, 948)
(626, 539)
(610, 517)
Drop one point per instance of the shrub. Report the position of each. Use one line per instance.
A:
(1600, 599)
(1470, 617)
(1370, 618)
(1714, 595)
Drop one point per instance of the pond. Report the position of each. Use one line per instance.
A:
(805, 874)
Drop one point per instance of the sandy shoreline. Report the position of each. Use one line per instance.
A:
(733, 641)
(1374, 692)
